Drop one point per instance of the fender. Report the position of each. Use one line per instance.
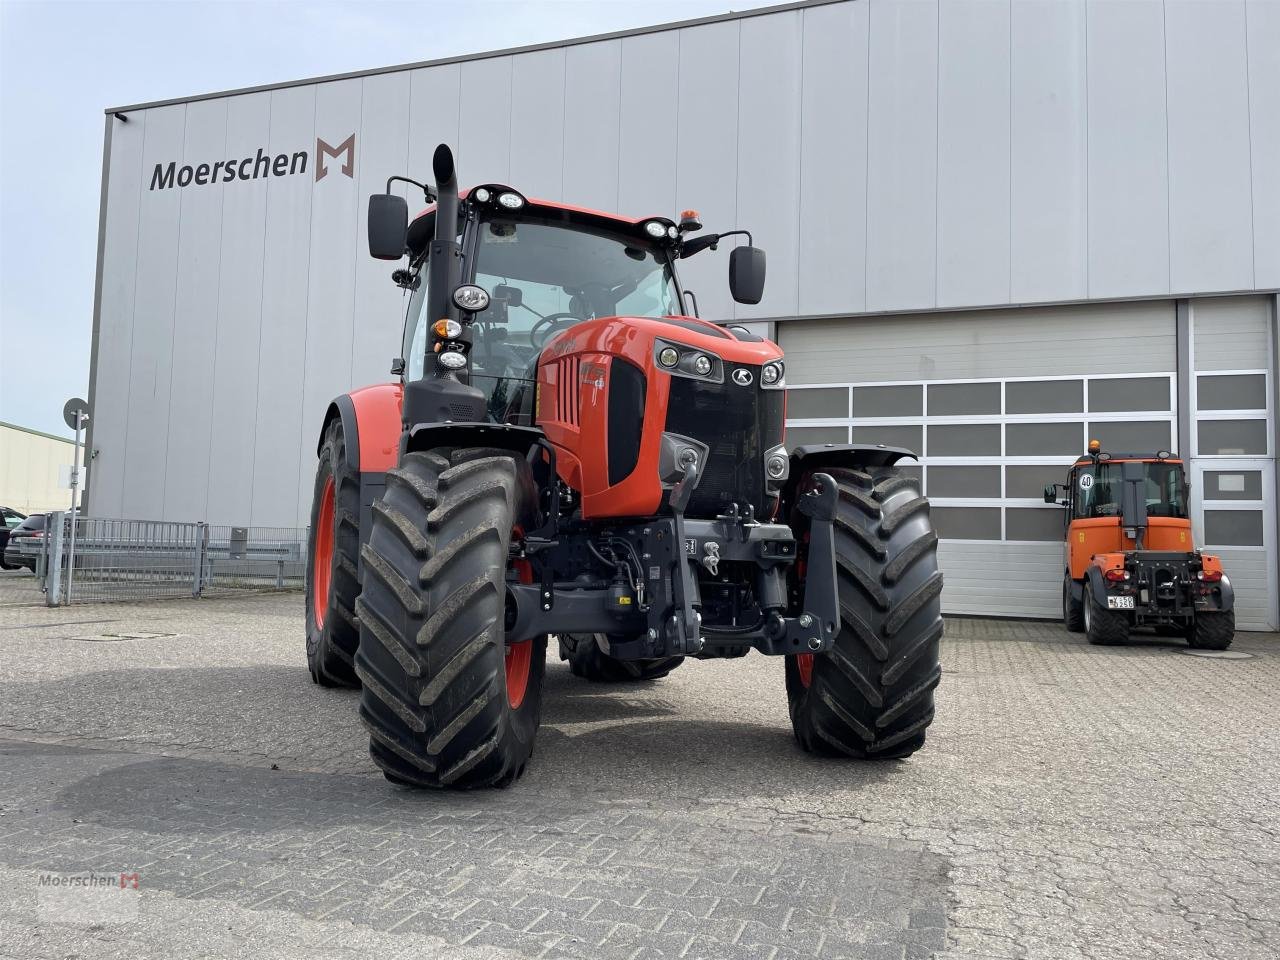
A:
(818, 456)
(505, 436)
(521, 441)
(370, 424)
(1095, 585)
(1228, 594)
(371, 429)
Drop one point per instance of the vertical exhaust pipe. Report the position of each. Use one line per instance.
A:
(446, 175)
(444, 263)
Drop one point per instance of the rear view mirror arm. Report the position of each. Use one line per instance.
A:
(426, 190)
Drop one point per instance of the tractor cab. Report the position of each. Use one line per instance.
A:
(526, 270)
(1129, 558)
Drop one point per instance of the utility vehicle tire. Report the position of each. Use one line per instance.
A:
(1212, 631)
(1103, 627)
(871, 695)
(332, 583)
(588, 661)
(447, 703)
(1072, 609)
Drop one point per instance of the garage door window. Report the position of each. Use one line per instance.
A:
(988, 447)
(1231, 414)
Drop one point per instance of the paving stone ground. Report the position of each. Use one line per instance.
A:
(1072, 802)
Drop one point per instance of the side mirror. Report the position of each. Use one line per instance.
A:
(1051, 493)
(746, 274)
(388, 226)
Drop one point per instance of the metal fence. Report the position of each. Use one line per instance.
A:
(88, 559)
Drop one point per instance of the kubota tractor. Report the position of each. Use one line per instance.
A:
(571, 452)
(1130, 559)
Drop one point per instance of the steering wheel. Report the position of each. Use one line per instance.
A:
(554, 321)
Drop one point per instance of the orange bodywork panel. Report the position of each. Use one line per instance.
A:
(1104, 535)
(378, 425)
(574, 374)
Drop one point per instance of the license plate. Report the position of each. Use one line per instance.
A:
(1120, 603)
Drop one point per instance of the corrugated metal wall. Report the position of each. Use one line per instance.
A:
(890, 155)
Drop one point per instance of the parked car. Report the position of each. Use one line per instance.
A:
(9, 518)
(25, 543)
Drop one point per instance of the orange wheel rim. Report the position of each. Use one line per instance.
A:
(519, 655)
(519, 660)
(804, 665)
(322, 564)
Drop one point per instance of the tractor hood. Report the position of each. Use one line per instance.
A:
(728, 344)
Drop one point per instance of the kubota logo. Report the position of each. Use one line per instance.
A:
(257, 167)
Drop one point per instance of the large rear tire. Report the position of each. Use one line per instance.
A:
(871, 695)
(1212, 631)
(588, 661)
(332, 582)
(446, 701)
(1103, 627)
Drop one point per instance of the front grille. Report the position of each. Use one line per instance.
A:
(567, 396)
(738, 424)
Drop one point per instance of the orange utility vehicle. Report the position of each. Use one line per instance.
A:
(1130, 558)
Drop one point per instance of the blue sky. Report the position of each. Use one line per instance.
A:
(62, 63)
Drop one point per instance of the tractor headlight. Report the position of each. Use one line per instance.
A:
(682, 360)
(471, 298)
(771, 373)
(673, 231)
(777, 467)
(451, 360)
(512, 201)
(482, 195)
(656, 229)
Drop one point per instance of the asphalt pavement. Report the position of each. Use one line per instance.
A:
(1071, 802)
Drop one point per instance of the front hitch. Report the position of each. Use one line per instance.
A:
(819, 621)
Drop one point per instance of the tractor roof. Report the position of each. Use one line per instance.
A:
(421, 228)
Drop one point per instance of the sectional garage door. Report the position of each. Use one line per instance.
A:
(997, 404)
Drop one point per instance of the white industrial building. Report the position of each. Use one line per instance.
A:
(35, 469)
(995, 229)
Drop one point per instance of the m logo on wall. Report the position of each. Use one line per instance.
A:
(259, 166)
(345, 149)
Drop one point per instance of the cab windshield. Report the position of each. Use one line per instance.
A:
(542, 278)
(1097, 490)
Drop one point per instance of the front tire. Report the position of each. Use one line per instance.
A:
(447, 703)
(1103, 627)
(871, 695)
(588, 661)
(1212, 631)
(332, 583)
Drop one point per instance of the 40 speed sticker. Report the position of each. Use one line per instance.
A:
(1086, 481)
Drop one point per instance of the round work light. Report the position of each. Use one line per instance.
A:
(471, 298)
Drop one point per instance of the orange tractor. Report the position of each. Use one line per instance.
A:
(571, 453)
(1130, 559)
